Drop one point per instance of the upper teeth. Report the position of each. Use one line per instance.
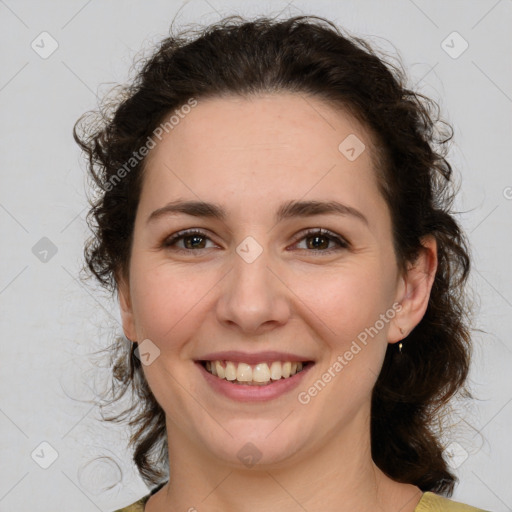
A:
(260, 372)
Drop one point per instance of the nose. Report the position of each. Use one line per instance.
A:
(253, 298)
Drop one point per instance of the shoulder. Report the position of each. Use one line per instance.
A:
(431, 502)
(138, 506)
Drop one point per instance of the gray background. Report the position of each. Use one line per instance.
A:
(50, 320)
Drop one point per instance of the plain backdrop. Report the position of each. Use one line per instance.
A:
(56, 57)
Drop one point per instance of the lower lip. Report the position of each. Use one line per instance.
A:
(245, 393)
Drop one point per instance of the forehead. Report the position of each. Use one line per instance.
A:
(261, 123)
(267, 147)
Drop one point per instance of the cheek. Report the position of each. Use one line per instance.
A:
(345, 311)
(346, 301)
(165, 303)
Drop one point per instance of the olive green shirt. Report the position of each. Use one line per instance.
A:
(429, 502)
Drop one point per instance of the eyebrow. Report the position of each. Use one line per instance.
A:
(287, 210)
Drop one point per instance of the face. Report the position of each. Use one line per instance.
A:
(259, 278)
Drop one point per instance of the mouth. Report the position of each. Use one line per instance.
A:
(260, 374)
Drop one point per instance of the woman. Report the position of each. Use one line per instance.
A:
(274, 213)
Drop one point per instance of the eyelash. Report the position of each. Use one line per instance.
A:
(342, 244)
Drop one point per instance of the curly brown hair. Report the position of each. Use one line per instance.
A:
(303, 54)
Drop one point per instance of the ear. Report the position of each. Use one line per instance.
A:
(125, 304)
(414, 291)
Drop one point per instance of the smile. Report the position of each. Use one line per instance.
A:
(259, 374)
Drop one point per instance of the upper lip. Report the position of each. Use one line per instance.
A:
(253, 358)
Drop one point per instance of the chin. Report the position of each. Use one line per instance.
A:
(262, 447)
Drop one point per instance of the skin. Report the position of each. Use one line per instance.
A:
(250, 155)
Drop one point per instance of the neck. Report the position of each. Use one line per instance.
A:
(337, 474)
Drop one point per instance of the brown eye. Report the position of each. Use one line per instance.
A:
(318, 240)
(192, 239)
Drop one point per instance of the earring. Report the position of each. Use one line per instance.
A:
(400, 345)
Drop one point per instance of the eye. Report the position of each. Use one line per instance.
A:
(192, 239)
(196, 239)
(320, 239)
